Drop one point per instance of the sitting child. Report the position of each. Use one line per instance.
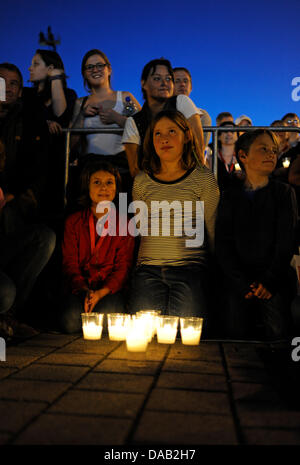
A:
(95, 267)
(255, 240)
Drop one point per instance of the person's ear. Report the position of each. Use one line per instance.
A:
(187, 136)
(242, 155)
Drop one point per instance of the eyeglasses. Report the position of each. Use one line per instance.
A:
(99, 66)
(291, 121)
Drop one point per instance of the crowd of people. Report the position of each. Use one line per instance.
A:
(226, 255)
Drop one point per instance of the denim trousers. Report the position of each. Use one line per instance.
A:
(175, 290)
(23, 255)
(73, 306)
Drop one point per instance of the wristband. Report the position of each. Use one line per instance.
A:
(53, 78)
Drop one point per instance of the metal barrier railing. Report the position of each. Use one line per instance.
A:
(215, 130)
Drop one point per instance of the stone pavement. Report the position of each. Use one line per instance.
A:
(60, 389)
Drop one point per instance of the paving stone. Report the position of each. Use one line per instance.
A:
(179, 428)
(248, 374)
(128, 366)
(75, 430)
(29, 350)
(50, 340)
(242, 355)
(154, 352)
(5, 372)
(19, 360)
(15, 415)
(42, 372)
(204, 351)
(116, 382)
(20, 389)
(82, 346)
(192, 381)
(188, 401)
(268, 437)
(253, 393)
(267, 414)
(98, 403)
(71, 359)
(259, 406)
(188, 366)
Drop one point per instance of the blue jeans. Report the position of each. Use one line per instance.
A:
(73, 306)
(23, 255)
(175, 290)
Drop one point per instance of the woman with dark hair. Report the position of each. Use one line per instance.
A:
(47, 73)
(104, 108)
(227, 161)
(96, 257)
(55, 103)
(172, 264)
(255, 241)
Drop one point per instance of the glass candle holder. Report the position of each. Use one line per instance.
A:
(150, 316)
(191, 329)
(92, 325)
(167, 329)
(118, 324)
(286, 162)
(137, 336)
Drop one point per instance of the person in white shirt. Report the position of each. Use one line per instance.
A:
(157, 82)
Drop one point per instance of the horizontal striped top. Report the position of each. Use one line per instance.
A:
(180, 202)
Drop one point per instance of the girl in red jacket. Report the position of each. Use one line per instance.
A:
(96, 265)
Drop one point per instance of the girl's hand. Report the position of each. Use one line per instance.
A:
(91, 107)
(260, 291)
(107, 116)
(54, 127)
(93, 297)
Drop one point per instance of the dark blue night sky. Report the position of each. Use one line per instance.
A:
(242, 55)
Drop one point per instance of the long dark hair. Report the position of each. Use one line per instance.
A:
(191, 151)
(90, 168)
(50, 58)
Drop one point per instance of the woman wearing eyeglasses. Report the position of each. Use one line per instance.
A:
(104, 108)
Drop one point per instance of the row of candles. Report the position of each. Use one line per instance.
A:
(139, 329)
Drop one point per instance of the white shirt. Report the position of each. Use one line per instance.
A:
(183, 104)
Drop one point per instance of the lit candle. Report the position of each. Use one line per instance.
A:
(137, 336)
(190, 336)
(286, 162)
(149, 317)
(92, 331)
(118, 326)
(191, 329)
(237, 167)
(166, 334)
(117, 333)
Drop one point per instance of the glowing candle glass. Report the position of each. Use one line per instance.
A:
(118, 324)
(150, 316)
(167, 329)
(237, 167)
(137, 335)
(286, 162)
(92, 324)
(191, 329)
